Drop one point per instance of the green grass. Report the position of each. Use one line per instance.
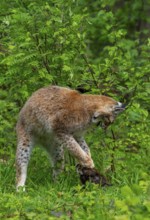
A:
(128, 198)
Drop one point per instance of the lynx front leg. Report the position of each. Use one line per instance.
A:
(83, 145)
(85, 173)
(74, 148)
(24, 147)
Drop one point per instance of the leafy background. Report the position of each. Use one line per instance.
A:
(99, 47)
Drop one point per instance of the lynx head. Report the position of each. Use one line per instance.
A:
(106, 111)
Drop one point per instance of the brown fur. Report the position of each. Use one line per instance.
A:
(57, 117)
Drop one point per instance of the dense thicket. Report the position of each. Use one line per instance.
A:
(98, 47)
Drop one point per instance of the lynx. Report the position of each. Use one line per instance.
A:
(57, 118)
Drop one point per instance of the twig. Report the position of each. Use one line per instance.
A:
(134, 91)
(86, 61)
(41, 52)
(113, 168)
(90, 69)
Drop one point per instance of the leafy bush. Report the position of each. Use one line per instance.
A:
(99, 47)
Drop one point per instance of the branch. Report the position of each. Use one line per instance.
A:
(45, 62)
(89, 66)
(113, 168)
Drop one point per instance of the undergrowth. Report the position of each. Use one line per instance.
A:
(97, 47)
(127, 198)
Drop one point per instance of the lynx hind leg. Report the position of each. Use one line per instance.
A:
(24, 146)
(57, 159)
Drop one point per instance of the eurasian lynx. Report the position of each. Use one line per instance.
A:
(57, 117)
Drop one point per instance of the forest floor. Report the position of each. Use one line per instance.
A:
(67, 199)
